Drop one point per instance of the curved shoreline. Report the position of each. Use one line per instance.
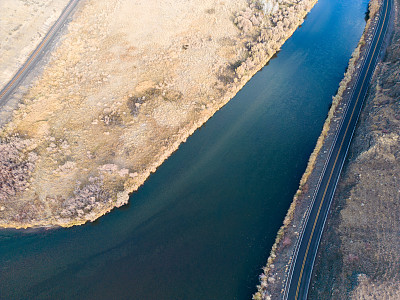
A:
(231, 90)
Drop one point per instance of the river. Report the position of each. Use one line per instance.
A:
(202, 226)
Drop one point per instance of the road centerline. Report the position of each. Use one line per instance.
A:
(339, 152)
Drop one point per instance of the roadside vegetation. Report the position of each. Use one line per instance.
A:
(359, 255)
(275, 272)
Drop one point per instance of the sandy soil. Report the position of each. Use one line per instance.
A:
(359, 256)
(23, 24)
(128, 83)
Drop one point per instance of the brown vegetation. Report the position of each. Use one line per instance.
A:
(85, 199)
(272, 26)
(369, 290)
(16, 165)
(359, 253)
(373, 8)
(281, 253)
(121, 93)
(23, 24)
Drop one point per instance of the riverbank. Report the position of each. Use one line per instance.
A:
(360, 246)
(86, 134)
(273, 279)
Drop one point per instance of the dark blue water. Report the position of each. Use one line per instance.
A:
(202, 226)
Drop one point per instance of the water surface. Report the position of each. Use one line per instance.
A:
(202, 226)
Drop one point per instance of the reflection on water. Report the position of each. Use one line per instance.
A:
(203, 225)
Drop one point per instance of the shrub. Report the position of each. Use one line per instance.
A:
(16, 164)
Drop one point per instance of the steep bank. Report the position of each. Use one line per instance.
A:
(359, 252)
(275, 273)
(114, 103)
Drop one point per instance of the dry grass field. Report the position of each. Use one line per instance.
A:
(128, 83)
(23, 24)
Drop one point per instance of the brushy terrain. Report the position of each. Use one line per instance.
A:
(127, 84)
(275, 273)
(359, 255)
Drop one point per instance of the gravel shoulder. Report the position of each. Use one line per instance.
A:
(359, 253)
(275, 273)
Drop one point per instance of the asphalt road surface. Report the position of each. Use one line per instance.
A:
(37, 53)
(303, 261)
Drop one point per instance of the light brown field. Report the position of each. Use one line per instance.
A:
(23, 24)
(128, 83)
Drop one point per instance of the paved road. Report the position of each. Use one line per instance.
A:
(37, 53)
(303, 261)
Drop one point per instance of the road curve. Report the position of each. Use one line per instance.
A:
(37, 53)
(302, 264)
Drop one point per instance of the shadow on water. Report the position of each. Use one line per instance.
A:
(202, 226)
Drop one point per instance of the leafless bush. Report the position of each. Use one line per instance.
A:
(27, 212)
(85, 198)
(16, 164)
(373, 8)
(248, 19)
(273, 26)
(244, 24)
(267, 6)
(110, 117)
(134, 104)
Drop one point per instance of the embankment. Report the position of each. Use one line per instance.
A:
(275, 273)
(359, 254)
